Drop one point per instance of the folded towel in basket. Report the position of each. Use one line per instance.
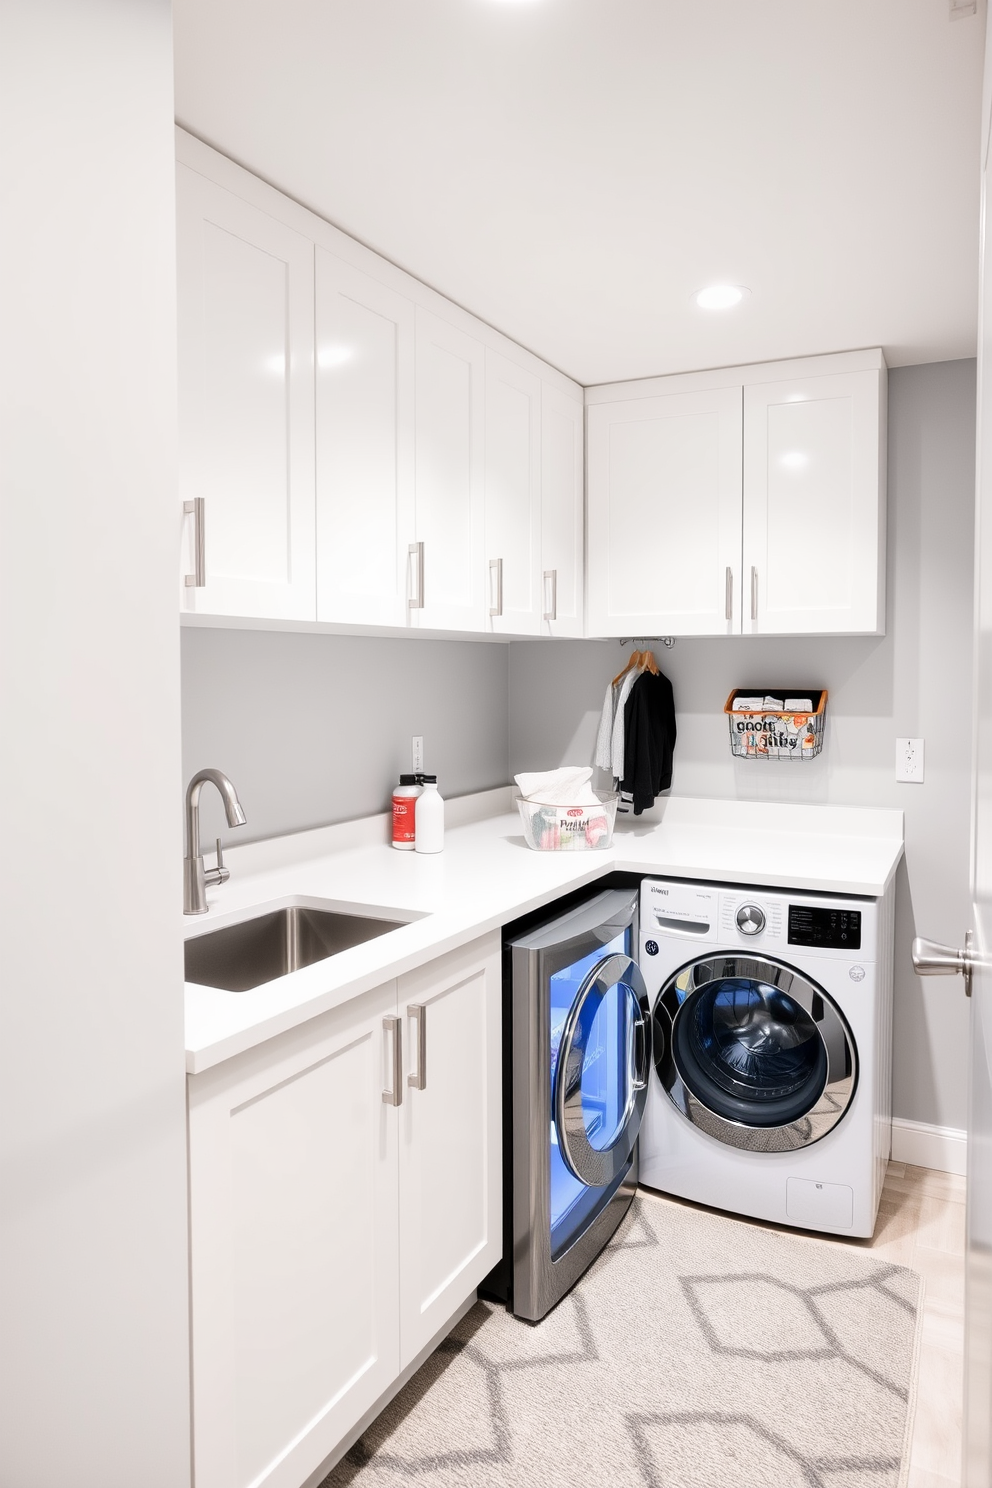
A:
(799, 705)
(567, 786)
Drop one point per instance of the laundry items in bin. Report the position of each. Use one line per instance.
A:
(637, 731)
(561, 811)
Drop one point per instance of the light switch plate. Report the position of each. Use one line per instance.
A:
(418, 753)
(909, 761)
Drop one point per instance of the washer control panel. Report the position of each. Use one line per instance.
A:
(754, 919)
(830, 929)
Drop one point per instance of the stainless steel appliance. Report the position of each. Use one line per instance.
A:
(578, 1059)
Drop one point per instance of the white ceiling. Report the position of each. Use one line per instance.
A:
(572, 170)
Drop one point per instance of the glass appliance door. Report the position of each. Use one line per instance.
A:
(600, 1061)
(745, 1045)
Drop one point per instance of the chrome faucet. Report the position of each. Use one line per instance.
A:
(195, 876)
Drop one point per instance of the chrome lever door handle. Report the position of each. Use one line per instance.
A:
(930, 958)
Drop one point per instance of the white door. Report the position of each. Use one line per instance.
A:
(664, 524)
(446, 572)
(450, 1137)
(562, 515)
(814, 510)
(513, 497)
(365, 445)
(246, 430)
(293, 1216)
(978, 1287)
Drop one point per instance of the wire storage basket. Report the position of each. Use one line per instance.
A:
(757, 732)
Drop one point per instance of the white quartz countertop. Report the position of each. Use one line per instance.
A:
(487, 876)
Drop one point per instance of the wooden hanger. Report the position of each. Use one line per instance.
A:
(649, 663)
(635, 661)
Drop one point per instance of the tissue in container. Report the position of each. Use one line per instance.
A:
(569, 828)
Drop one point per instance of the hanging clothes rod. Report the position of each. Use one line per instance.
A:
(668, 641)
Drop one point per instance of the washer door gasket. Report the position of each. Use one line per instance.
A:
(753, 1052)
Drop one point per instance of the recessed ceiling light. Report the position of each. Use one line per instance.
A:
(720, 296)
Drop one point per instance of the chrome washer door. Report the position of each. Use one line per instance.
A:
(601, 1077)
(754, 1053)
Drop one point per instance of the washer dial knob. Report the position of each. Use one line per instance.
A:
(750, 919)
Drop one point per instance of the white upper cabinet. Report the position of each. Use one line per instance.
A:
(813, 518)
(246, 405)
(446, 569)
(750, 501)
(513, 497)
(365, 338)
(665, 514)
(562, 472)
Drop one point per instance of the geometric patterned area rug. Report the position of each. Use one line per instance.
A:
(697, 1352)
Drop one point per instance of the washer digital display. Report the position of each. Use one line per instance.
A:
(831, 929)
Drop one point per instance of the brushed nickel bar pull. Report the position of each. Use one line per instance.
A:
(754, 592)
(198, 578)
(551, 611)
(729, 606)
(417, 1079)
(394, 1096)
(496, 564)
(416, 551)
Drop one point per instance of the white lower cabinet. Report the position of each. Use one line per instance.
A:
(450, 1138)
(332, 1233)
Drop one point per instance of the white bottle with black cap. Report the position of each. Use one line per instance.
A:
(429, 812)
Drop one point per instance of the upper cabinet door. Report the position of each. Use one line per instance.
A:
(446, 570)
(814, 508)
(246, 391)
(365, 445)
(513, 497)
(664, 484)
(562, 587)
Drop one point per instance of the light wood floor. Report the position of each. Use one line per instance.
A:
(921, 1225)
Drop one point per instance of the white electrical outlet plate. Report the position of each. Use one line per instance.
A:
(418, 753)
(909, 761)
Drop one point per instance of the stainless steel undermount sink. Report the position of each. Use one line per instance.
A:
(239, 957)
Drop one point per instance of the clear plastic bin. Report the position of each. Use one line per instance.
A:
(569, 828)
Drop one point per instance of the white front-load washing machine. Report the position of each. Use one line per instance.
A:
(772, 1028)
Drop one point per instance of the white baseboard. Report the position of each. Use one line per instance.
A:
(942, 1147)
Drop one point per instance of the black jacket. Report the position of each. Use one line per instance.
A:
(648, 739)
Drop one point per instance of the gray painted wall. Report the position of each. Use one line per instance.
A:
(315, 729)
(916, 680)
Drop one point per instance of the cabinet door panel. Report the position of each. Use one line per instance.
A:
(450, 490)
(665, 514)
(365, 445)
(450, 1144)
(812, 509)
(245, 329)
(294, 1223)
(513, 496)
(561, 513)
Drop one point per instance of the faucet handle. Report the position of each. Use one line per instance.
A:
(220, 874)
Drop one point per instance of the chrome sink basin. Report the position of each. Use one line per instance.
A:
(239, 957)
